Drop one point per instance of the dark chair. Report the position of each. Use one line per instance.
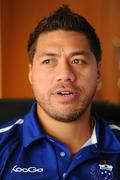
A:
(14, 108)
(11, 109)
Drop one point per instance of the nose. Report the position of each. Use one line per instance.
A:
(65, 73)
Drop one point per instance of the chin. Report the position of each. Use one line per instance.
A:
(66, 116)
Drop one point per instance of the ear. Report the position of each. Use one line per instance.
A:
(99, 82)
(30, 73)
(99, 72)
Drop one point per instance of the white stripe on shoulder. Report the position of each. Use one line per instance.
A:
(113, 126)
(19, 121)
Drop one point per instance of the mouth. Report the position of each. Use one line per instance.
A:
(65, 95)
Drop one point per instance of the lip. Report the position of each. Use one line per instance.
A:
(65, 98)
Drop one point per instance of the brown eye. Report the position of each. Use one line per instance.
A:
(77, 61)
(47, 61)
(51, 62)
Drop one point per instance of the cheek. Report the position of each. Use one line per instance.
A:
(88, 75)
(89, 79)
(93, 80)
(41, 81)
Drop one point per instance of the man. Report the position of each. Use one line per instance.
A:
(60, 138)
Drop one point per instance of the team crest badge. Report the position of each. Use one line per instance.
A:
(105, 171)
(102, 171)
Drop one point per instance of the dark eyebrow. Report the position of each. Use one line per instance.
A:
(78, 53)
(48, 54)
(75, 53)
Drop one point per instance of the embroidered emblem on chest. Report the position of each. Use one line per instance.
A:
(102, 171)
(106, 171)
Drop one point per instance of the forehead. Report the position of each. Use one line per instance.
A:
(62, 39)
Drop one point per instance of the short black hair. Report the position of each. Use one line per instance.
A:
(65, 19)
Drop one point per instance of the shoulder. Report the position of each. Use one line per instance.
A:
(108, 120)
(115, 129)
(10, 133)
(10, 140)
(110, 129)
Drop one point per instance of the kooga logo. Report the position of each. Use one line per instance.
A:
(26, 170)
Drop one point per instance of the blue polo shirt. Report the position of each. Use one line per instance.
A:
(28, 153)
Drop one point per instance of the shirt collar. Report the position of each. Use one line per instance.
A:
(31, 127)
(102, 134)
(93, 139)
(107, 140)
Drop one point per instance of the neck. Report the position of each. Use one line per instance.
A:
(73, 134)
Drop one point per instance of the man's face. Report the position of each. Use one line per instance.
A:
(64, 75)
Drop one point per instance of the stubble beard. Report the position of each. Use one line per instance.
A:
(61, 114)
